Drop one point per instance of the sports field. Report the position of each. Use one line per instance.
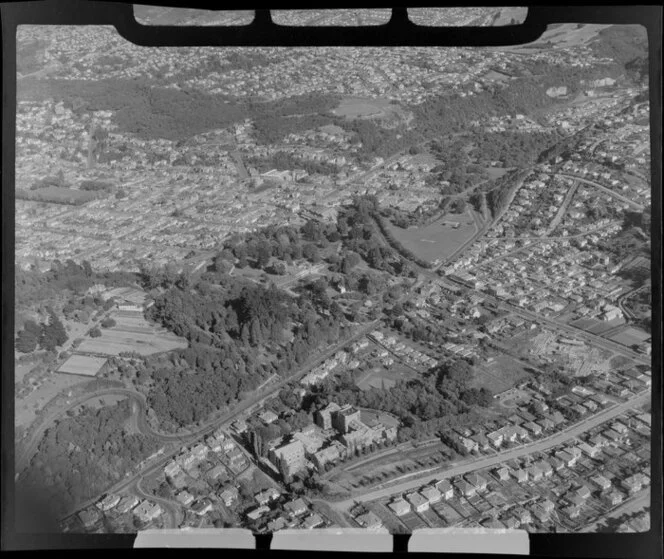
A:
(82, 365)
(500, 375)
(368, 416)
(595, 326)
(383, 377)
(358, 107)
(630, 336)
(439, 239)
(132, 333)
(59, 195)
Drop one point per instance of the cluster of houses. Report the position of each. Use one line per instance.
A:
(404, 352)
(144, 510)
(549, 478)
(323, 370)
(549, 281)
(227, 461)
(294, 513)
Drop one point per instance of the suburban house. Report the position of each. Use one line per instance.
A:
(445, 489)
(502, 473)
(296, 507)
(399, 507)
(369, 520)
(520, 475)
(418, 502)
(465, 488)
(229, 496)
(431, 494)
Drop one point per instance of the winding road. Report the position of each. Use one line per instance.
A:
(191, 436)
(559, 326)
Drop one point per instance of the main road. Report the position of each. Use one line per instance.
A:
(572, 330)
(23, 458)
(191, 436)
(603, 189)
(486, 462)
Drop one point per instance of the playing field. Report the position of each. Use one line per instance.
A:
(597, 327)
(132, 333)
(82, 365)
(358, 107)
(361, 107)
(383, 377)
(59, 195)
(368, 416)
(496, 172)
(630, 336)
(500, 375)
(439, 239)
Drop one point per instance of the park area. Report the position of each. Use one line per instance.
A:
(630, 336)
(58, 195)
(595, 326)
(383, 377)
(439, 239)
(132, 333)
(26, 408)
(500, 375)
(360, 107)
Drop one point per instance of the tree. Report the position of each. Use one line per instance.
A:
(28, 338)
(108, 323)
(310, 252)
(263, 253)
(53, 334)
(95, 332)
(311, 231)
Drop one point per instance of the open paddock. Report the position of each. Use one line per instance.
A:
(359, 107)
(59, 195)
(439, 239)
(101, 402)
(496, 172)
(82, 365)
(500, 375)
(367, 416)
(132, 333)
(630, 336)
(25, 409)
(383, 377)
(595, 326)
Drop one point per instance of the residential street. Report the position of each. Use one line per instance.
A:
(487, 462)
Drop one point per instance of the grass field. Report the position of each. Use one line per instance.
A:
(496, 172)
(59, 195)
(388, 377)
(82, 365)
(436, 240)
(101, 402)
(367, 416)
(358, 107)
(597, 327)
(630, 336)
(21, 370)
(25, 409)
(132, 333)
(501, 375)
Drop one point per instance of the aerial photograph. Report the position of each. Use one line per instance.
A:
(388, 288)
